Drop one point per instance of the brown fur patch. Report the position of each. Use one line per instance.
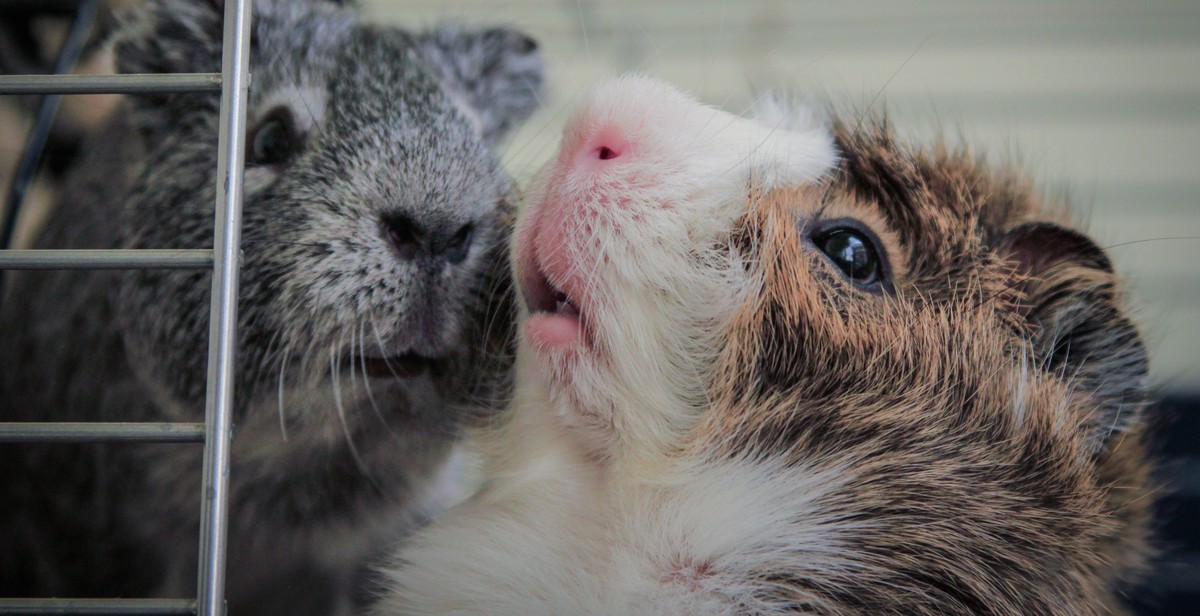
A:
(988, 408)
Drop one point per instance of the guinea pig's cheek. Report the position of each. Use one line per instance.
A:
(525, 257)
(556, 248)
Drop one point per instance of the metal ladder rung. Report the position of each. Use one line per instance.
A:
(97, 606)
(111, 84)
(105, 259)
(94, 432)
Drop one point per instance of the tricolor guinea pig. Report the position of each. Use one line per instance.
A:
(783, 365)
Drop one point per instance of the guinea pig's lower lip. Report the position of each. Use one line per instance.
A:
(560, 329)
(402, 366)
(554, 320)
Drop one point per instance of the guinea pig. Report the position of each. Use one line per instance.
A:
(373, 313)
(788, 365)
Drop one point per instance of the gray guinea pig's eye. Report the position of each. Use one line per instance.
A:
(275, 140)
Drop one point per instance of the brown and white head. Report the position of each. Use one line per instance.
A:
(624, 256)
(815, 371)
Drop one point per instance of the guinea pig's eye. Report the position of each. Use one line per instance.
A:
(854, 252)
(275, 139)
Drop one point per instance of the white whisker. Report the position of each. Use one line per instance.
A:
(334, 369)
(282, 369)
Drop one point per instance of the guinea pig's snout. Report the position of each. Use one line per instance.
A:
(413, 241)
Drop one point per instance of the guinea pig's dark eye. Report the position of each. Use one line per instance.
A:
(854, 252)
(275, 139)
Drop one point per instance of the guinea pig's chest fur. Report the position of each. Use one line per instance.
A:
(680, 536)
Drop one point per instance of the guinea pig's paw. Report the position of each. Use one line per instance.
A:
(496, 72)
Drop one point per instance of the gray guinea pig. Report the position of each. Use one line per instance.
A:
(373, 314)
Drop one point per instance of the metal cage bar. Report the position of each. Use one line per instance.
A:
(110, 84)
(224, 259)
(222, 336)
(130, 607)
(105, 259)
(92, 432)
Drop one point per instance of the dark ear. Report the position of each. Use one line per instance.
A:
(170, 36)
(497, 72)
(1078, 329)
(1039, 246)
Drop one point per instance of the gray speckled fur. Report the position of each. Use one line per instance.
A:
(324, 471)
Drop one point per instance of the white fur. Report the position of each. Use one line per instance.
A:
(659, 294)
(585, 508)
(585, 545)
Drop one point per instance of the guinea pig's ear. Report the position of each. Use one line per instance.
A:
(1079, 330)
(1038, 246)
(497, 73)
(170, 36)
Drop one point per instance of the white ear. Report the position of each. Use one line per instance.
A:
(782, 141)
(784, 107)
(789, 150)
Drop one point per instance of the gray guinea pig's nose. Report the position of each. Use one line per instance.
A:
(412, 241)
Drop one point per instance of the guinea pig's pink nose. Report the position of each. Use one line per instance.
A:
(606, 144)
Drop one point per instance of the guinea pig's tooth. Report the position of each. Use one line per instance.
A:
(566, 308)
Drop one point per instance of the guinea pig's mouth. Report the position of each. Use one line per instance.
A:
(554, 316)
(399, 366)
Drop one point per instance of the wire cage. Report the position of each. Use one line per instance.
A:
(223, 259)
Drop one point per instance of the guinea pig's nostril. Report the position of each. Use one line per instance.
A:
(606, 153)
(412, 242)
(404, 235)
(459, 244)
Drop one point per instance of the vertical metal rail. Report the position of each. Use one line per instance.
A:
(222, 336)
